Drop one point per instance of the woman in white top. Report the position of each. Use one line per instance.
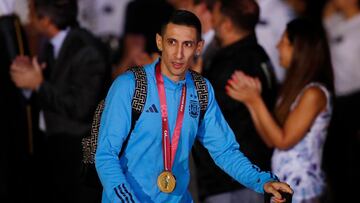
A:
(299, 126)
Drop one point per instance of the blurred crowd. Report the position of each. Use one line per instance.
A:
(59, 57)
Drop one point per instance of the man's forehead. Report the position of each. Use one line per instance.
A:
(180, 32)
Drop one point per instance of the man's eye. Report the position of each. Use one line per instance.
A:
(171, 42)
(189, 44)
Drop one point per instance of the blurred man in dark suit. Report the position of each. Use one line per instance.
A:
(16, 141)
(68, 84)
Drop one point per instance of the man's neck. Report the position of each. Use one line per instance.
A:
(52, 32)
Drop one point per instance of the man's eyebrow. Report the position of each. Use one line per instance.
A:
(184, 42)
(189, 41)
(170, 38)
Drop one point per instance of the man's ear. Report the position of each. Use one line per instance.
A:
(46, 21)
(199, 47)
(228, 24)
(159, 42)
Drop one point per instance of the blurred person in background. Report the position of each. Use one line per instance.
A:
(16, 145)
(143, 20)
(68, 83)
(342, 154)
(274, 14)
(234, 23)
(203, 10)
(308, 8)
(106, 20)
(303, 112)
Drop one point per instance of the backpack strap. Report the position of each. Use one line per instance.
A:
(202, 92)
(89, 144)
(138, 101)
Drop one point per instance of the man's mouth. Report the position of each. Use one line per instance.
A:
(177, 65)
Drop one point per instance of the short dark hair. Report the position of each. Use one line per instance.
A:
(63, 13)
(243, 13)
(183, 17)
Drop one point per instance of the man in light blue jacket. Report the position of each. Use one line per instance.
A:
(154, 164)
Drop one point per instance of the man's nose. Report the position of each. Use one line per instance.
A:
(179, 52)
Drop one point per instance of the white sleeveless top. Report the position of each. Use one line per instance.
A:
(300, 166)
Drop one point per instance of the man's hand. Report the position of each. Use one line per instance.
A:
(274, 188)
(26, 73)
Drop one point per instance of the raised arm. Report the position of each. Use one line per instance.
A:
(247, 90)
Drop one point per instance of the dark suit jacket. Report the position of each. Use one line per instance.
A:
(246, 55)
(14, 131)
(76, 83)
(209, 53)
(12, 40)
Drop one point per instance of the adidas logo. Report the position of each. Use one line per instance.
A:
(152, 109)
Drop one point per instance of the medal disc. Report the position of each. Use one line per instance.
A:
(166, 182)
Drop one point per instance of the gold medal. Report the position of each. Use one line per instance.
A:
(166, 182)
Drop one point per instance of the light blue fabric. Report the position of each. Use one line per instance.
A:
(134, 175)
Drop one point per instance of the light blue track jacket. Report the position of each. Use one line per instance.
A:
(133, 177)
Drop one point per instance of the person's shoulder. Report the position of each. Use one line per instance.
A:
(315, 90)
(84, 37)
(251, 58)
(128, 77)
(80, 33)
(260, 51)
(123, 85)
(82, 42)
(125, 78)
(314, 95)
(251, 51)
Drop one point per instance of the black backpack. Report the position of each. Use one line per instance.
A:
(89, 144)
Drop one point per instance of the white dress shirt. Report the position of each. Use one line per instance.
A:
(58, 40)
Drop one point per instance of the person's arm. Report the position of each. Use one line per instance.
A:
(217, 137)
(298, 122)
(114, 127)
